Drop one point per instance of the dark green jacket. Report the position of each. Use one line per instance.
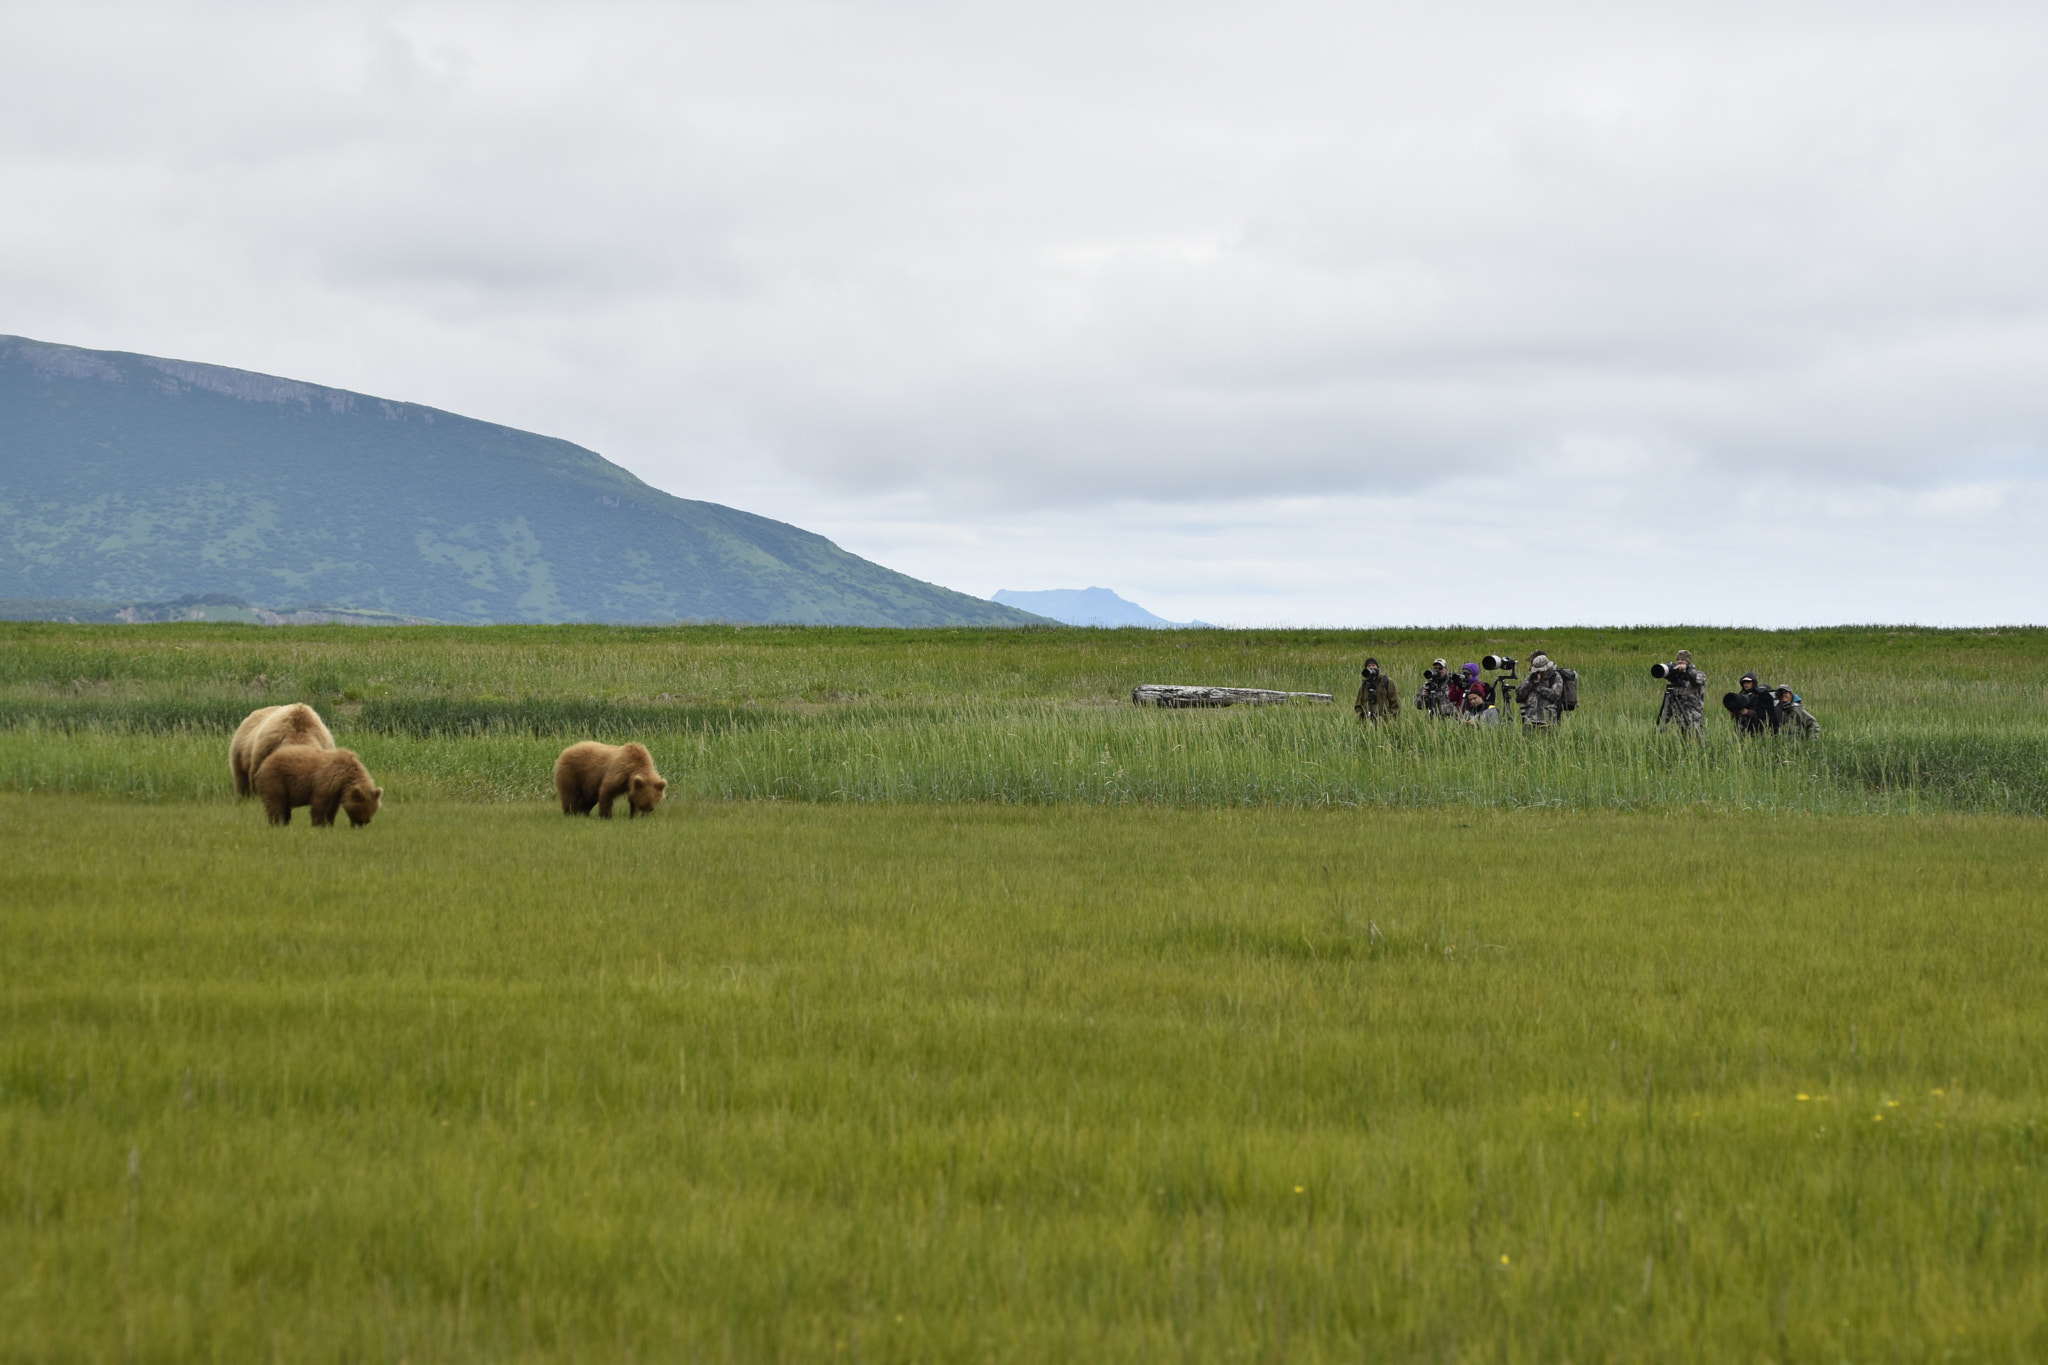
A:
(1377, 699)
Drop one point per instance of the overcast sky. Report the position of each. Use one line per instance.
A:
(1320, 314)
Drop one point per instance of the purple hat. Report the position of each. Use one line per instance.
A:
(1470, 670)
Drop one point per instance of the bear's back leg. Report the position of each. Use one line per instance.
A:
(576, 792)
(575, 785)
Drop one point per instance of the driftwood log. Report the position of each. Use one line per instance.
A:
(1170, 694)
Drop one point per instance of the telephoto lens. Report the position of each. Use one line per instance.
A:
(1496, 662)
(1660, 670)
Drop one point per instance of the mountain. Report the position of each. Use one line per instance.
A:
(126, 479)
(1086, 607)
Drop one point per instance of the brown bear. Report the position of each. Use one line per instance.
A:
(592, 774)
(268, 728)
(324, 779)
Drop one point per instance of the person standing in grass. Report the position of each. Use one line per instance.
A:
(1793, 717)
(1751, 706)
(1685, 698)
(1377, 699)
(1542, 693)
(1439, 694)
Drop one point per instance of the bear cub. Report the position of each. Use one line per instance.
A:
(324, 779)
(592, 774)
(268, 729)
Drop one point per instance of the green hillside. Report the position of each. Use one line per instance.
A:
(127, 479)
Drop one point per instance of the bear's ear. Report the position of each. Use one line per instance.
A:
(638, 782)
(377, 792)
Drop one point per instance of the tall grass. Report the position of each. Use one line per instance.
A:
(1316, 756)
(1021, 753)
(1914, 722)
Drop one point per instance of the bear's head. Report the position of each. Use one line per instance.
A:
(646, 793)
(362, 801)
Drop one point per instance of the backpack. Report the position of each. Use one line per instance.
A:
(1570, 700)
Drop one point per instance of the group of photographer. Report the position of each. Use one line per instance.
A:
(1549, 693)
(1755, 707)
(1545, 696)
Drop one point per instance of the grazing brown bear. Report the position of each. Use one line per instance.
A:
(269, 728)
(324, 779)
(592, 774)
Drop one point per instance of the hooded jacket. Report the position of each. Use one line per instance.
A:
(1762, 707)
(1795, 720)
(1377, 699)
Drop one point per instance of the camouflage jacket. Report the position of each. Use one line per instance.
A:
(1796, 720)
(1685, 700)
(1542, 697)
(1435, 696)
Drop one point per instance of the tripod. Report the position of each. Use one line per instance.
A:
(1504, 693)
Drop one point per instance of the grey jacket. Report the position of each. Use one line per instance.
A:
(1797, 721)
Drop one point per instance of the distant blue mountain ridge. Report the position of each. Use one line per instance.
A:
(1087, 607)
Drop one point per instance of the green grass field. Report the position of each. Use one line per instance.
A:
(957, 1010)
(1916, 721)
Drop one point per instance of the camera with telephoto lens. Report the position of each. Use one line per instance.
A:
(1666, 670)
(1498, 663)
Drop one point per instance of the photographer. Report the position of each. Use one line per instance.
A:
(1793, 717)
(1685, 697)
(1439, 694)
(1377, 699)
(1751, 707)
(1542, 693)
(1475, 698)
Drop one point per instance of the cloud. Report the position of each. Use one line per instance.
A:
(1066, 258)
(1687, 548)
